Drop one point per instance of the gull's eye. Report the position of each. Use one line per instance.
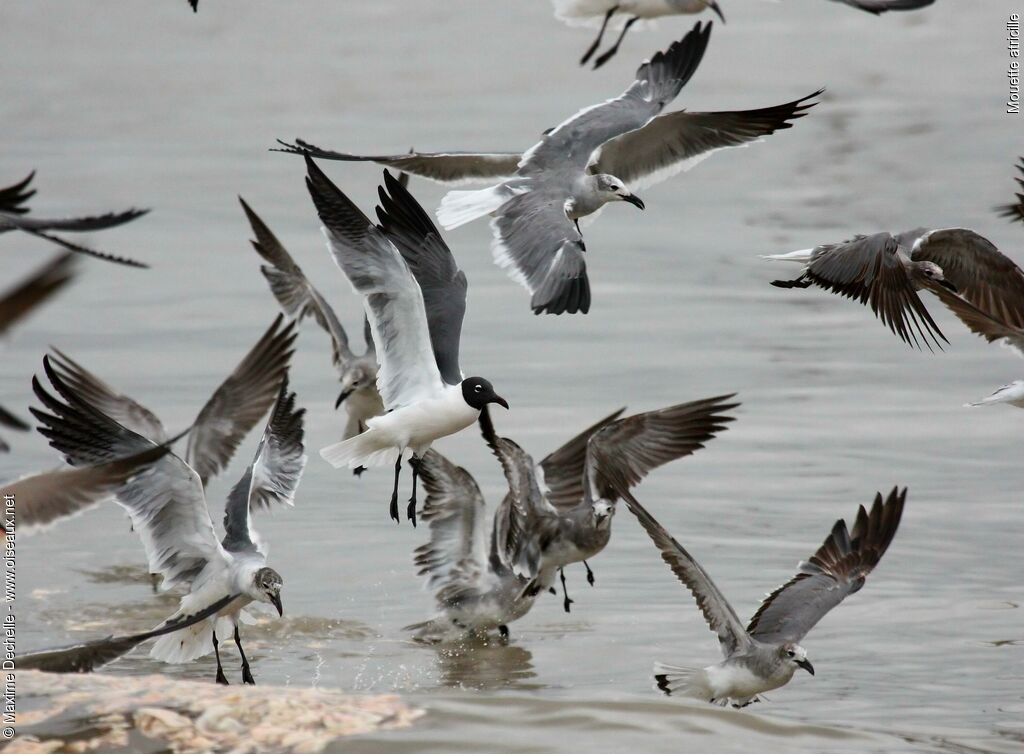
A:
(791, 653)
(478, 388)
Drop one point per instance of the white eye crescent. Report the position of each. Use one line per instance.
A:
(478, 388)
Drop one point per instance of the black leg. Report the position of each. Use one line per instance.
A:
(220, 670)
(410, 511)
(590, 574)
(552, 590)
(358, 470)
(246, 673)
(394, 492)
(597, 42)
(607, 55)
(503, 632)
(567, 601)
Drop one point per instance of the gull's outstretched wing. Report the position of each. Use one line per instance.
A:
(868, 269)
(1014, 211)
(674, 142)
(566, 150)
(625, 451)
(881, 6)
(9, 221)
(292, 289)
(979, 322)
(69, 224)
(443, 167)
(40, 286)
(240, 401)
(441, 282)
(165, 501)
(563, 469)
(272, 477)
(712, 603)
(44, 498)
(13, 197)
(392, 298)
(837, 570)
(981, 273)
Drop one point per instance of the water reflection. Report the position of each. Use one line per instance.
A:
(486, 665)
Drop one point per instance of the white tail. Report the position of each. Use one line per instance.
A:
(676, 681)
(803, 256)
(460, 207)
(371, 448)
(1012, 394)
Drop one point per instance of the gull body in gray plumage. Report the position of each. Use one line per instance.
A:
(765, 655)
(599, 155)
(415, 299)
(168, 509)
(570, 497)
(299, 298)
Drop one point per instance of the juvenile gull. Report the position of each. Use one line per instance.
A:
(168, 509)
(1015, 210)
(415, 299)
(299, 298)
(764, 655)
(593, 158)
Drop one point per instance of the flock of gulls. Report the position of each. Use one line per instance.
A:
(407, 389)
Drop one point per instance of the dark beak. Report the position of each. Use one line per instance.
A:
(275, 600)
(714, 6)
(949, 285)
(806, 665)
(341, 398)
(635, 200)
(500, 401)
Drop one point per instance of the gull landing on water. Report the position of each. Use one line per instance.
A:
(415, 300)
(765, 655)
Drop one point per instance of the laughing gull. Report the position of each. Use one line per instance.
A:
(963, 269)
(20, 301)
(235, 407)
(764, 655)
(415, 299)
(570, 522)
(168, 509)
(579, 166)
(13, 211)
(601, 13)
(1015, 211)
(474, 583)
(298, 298)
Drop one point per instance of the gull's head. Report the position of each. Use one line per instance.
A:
(358, 377)
(478, 392)
(266, 587)
(603, 512)
(931, 271)
(795, 655)
(612, 189)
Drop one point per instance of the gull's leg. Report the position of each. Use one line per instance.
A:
(246, 673)
(607, 54)
(503, 632)
(597, 42)
(590, 574)
(567, 601)
(220, 670)
(552, 590)
(394, 492)
(410, 511)
(358, 470)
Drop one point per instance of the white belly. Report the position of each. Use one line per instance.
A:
(737, 682)
(418, 425)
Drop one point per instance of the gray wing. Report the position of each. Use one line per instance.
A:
(881, 6)
(568, 147)
(13, 197)
(442, 284)
(10, 221)
(981, 273)
(38, 288)
(563, 469)
(625, 451)
(165, 501)
(868, 269)
(674, 142)
(71, 224)
(454, 560)
(292, 289)
(540, 248)
(240, 401)
(392, 298)
(837, 570)
(712, 603)
(979, 322)
(123, 409)
(272, 477)
(443, 167)
(45, 498)
(1015, 210)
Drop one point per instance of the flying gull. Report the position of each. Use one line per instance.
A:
(764, 655)
(415, 299)
(1015, 210)
(299, 298)
(597, 156)
(168, 509)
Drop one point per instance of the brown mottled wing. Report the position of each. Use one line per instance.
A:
(837, 570)
(563, 469)
(979, 322)
(30, 293)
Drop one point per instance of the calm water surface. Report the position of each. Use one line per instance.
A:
(127, 103)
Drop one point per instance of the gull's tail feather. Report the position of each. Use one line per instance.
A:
(461, 207)
(1012, 394)
(371, 448)
(673, 680)
(803, 256)
(185, 645)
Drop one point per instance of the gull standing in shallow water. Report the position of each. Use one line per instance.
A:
(298, 298)
(764, 655)
(168, 509)
(595, 157)
(415, 299)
